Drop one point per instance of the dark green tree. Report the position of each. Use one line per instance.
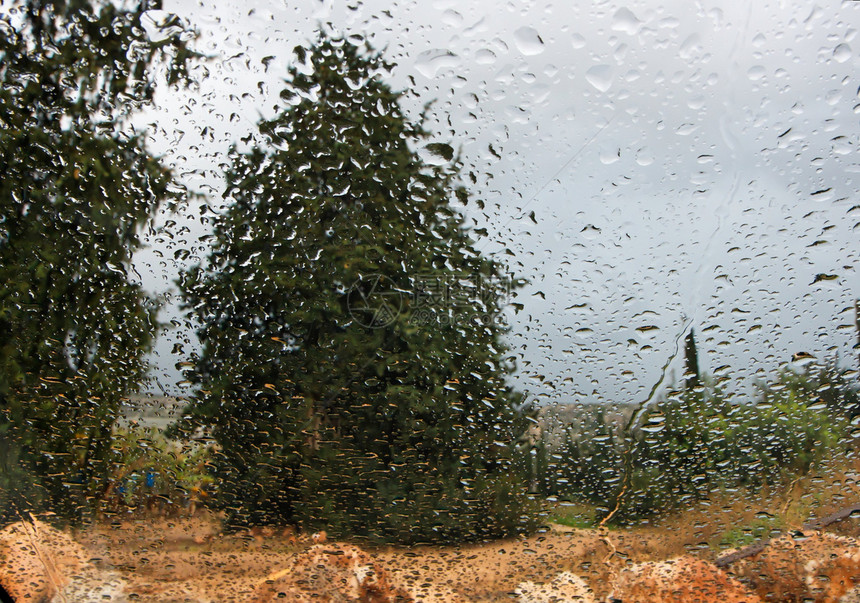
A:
(76, 187)
(692, 376)
(353, 371)
(857, 328)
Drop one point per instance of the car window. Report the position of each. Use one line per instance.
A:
(429, 302)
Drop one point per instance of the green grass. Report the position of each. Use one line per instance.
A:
(763, 526)
(573, 515)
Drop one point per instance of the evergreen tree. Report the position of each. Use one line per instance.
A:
(75, 189)
(353, 372)
(692, 376)
(857, 328)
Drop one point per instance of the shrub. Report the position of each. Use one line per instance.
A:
(695, 442)
(151, 473)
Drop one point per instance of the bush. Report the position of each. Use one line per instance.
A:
(696, 442)
(590, 464)
(151, 473)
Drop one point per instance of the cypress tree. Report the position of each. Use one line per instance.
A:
(692, 376)
(353, 371)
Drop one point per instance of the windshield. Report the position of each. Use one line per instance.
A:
(429, 302)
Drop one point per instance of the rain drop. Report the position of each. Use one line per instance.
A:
(842, 53)
(430, 62)
(756, 72)
(600, 76)
(528, 41)
(625, 21)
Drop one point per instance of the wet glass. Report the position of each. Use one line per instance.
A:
(431, 302)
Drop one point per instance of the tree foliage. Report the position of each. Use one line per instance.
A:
(76, 187)
(696, 442)
(344, 387)
(692, 374)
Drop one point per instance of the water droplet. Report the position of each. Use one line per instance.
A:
(430, 62)
(610, 156)
(624, 20)
(528, 41)
(833, 97)
(841, 145)
(432, 156)
(756, 72)
(600, 76)
(644, 157)
(485, 57)
(590, 232)
(656, 423)
(691, 47)
(160, 25)
(632, 75)
(842, 53)
(696, 102)
(452, 18)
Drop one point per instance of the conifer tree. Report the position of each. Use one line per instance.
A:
(692, 376)
(353, 371)
(855, 411)
(76, 187)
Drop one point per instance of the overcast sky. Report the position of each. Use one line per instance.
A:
(689, 164)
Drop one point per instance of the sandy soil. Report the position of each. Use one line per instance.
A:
(191, 560)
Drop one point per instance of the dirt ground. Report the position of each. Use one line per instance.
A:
(191, 560)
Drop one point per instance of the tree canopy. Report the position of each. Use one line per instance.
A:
(76, 188)
(353, 371)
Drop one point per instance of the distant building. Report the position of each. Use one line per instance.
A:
(151, 411)
(555, 421)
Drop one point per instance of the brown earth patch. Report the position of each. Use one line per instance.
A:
(191, 559)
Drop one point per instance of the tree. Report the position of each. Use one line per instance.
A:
(857, 328)
(590, 463)
(695, 443)
(76, 187)
(352, 370)
(691, 361)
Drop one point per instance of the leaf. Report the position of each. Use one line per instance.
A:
(439, 149)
